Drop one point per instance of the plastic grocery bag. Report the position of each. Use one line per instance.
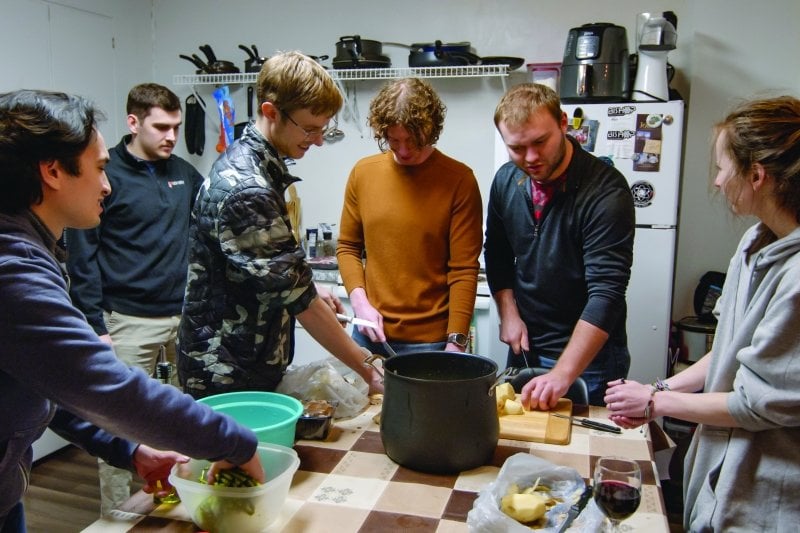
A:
(523, 470)
(327, 379)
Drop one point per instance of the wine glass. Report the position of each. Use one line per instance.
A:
(617, 488)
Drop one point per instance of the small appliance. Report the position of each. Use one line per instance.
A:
(655, 37)
(596, 64)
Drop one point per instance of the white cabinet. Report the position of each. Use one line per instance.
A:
(306, 349)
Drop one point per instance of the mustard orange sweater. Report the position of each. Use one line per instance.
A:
(421, 228)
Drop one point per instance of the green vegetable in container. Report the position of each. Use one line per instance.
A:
(234, 477)
(220, 513)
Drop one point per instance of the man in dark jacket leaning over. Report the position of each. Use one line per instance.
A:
(558, 251)
(129, 273)
(248, 278)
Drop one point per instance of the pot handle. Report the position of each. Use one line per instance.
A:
(356, 40)
(370, 359)
(249, 52)
(194, 61)
(502, 377)
(438, 52)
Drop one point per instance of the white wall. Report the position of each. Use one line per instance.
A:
(740, 49)
(32, 50)
(727, 49)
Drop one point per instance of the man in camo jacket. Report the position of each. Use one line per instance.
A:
(248, 279)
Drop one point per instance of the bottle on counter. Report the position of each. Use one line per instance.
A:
(311, 242)
(328, 248)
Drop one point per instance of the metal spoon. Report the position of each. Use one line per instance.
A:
(388, 349)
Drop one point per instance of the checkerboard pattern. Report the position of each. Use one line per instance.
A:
(348, 484)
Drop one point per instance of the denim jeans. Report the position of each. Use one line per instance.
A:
(612, 362)
(14, 521)
(398, 347)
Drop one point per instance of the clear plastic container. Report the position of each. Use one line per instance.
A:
(237, 510)
(545, 74)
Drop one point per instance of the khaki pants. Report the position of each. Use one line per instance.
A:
(136, 342)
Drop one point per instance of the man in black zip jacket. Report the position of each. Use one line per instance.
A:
(128, 275)
(558, 251)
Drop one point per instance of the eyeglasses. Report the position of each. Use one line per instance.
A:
(318, 132)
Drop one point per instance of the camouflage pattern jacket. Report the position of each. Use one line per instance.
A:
(247, 275)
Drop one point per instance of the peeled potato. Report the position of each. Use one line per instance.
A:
(512, 407)
(523, 507)
(505, 391)
(502, 393)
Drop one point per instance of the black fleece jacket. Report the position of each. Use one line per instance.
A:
(135, 261)
(575, 264)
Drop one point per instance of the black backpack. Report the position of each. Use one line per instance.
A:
(706, 295)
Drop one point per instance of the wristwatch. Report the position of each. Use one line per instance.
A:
(459, 339)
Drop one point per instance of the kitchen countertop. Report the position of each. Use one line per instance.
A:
(347, 483)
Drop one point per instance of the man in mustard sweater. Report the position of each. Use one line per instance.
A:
(411, 229)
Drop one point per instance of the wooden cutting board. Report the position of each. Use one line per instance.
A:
(539, 426)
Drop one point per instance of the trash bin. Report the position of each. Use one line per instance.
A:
(695, 337)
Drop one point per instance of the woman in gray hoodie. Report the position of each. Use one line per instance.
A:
(742, 470)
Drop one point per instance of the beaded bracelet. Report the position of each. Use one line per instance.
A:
(661, 385)
(657, 386)
(648, 410)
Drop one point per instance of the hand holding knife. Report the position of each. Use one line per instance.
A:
(368, 323)
(591, 424)
(356, 321)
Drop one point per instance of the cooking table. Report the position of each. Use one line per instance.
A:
(348, 484)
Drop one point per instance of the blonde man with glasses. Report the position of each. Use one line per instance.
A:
(248, 279)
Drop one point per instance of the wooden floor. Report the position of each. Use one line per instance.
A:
(64, 493)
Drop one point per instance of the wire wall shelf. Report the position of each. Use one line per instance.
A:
(355, 74)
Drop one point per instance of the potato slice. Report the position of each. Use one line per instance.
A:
(523, 507)
(502, 393)
(512, 407)
(505, 391)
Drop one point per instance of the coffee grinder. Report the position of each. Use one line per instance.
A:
(655, 37)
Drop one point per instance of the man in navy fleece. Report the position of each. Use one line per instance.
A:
(129, 273)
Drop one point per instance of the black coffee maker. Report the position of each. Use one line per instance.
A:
(596, 64)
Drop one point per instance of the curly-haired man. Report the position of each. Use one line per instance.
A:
(417, 215)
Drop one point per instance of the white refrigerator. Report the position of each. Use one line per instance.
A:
(643, 140)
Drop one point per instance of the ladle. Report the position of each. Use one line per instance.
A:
(335, 133)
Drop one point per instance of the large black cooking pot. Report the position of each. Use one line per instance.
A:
(354, 52)
(439, 413)
(439, 54)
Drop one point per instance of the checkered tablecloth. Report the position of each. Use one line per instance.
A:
(348, 484)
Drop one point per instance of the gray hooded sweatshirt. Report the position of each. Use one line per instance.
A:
(748, 478)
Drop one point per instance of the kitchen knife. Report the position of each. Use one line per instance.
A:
(356, 321)
(576, 509)
(591, 424)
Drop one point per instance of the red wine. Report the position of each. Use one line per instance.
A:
(616, 499)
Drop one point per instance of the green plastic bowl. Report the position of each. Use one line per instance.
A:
(272, 416)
